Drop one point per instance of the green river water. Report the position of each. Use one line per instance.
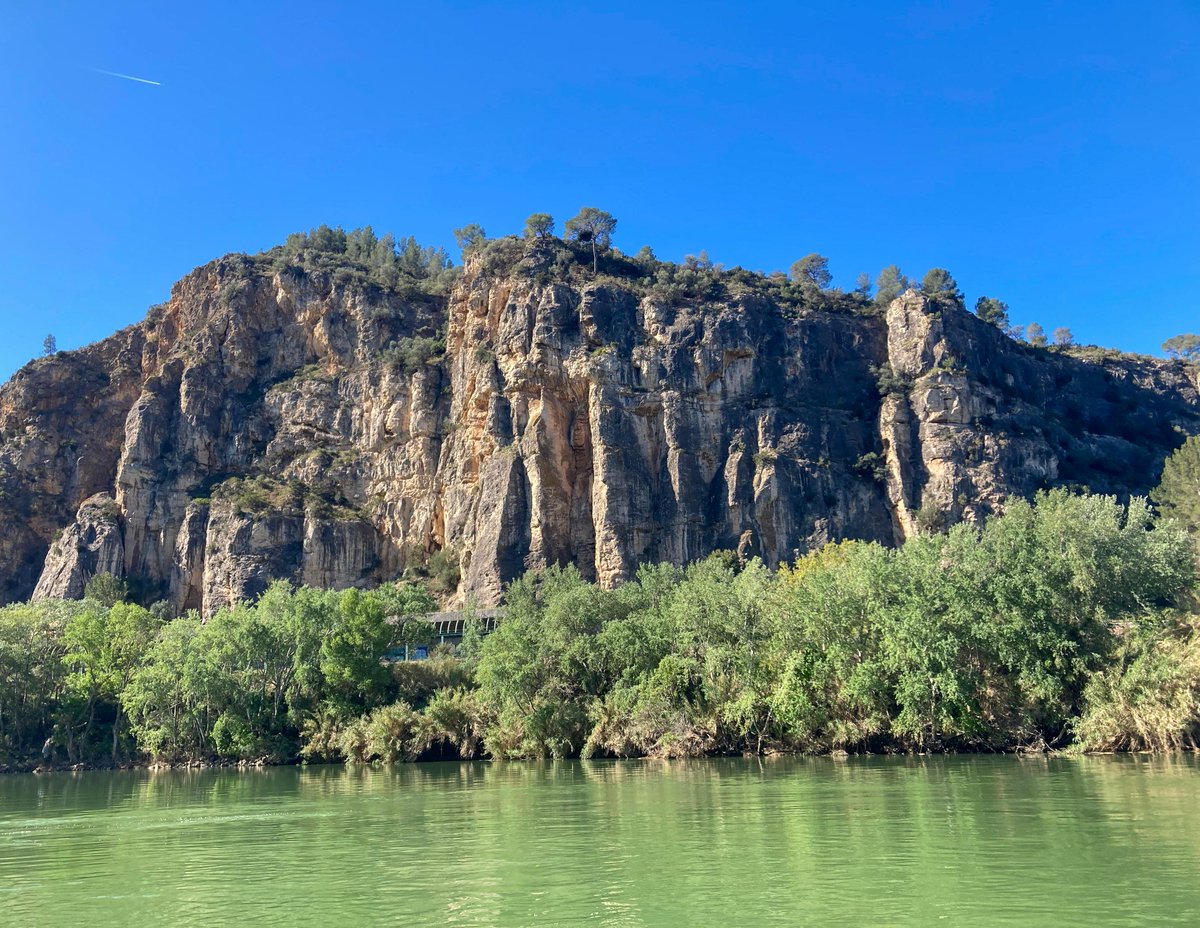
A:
(788, 841)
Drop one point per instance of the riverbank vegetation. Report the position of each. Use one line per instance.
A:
(1067, 622)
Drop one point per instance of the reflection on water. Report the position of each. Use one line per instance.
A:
(788, 841)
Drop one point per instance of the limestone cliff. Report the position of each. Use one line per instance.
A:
(285, 420)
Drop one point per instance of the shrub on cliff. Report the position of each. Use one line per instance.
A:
(411, 354)
(939, 285)
(992, 311)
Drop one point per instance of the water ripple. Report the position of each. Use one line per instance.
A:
(967, 841)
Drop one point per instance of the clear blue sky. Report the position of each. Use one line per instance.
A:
(1048, 154)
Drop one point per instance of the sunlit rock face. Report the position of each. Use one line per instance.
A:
(260, 425)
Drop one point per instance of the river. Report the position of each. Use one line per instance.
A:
(964, 841)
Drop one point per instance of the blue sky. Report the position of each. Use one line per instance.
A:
(1048, 154)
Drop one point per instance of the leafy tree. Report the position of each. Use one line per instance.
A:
(812, 273)
(32, 675)
(364, 627)
(129, 632)
(833, 689)
(1055, 576)
(174, 698)
(992, 311)
(539, 225)
(862, 285)
(890, 284)
(1178, 492)
(50, 345)
(1035, 335)
(1186, 347)
(105, 646)
(592, 227)
(470, 237)
(328, 240)
(1063, 336)
(724, 626)
(931, 648)
(106, 590)
(534, 669)
(939, 285)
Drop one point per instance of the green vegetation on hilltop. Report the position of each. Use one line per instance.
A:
(547, 259)
(400, 264)
(585, 254)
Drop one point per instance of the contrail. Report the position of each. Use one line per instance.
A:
(128, 77)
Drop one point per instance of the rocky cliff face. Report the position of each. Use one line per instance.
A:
(274, 422)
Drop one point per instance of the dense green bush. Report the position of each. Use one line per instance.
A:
(1150, 698)
(970, 639)
(87, 682)
(411, 354)
(1063, 621)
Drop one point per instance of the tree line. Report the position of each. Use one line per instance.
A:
(405, 265)
(1070, 620)
(809, 279)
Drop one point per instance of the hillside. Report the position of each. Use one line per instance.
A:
(341, 419)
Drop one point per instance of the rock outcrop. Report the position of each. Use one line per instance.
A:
(275, 421)
(93, 544)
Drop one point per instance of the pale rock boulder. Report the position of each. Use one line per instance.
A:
(92, 544)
